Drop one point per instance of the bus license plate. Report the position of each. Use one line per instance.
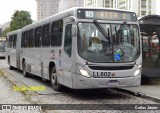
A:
(112, 83)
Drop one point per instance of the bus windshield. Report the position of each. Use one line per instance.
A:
(2, 46)
(121, 42)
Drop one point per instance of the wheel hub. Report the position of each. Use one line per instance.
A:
(54, 79)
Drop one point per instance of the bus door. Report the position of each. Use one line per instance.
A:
(67, 57)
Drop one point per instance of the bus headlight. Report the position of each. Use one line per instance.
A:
(140, 66)
(84, 72)
(138, 71)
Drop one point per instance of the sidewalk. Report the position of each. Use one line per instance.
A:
(8, 96)
(149, 90)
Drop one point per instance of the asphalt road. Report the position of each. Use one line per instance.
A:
(29, 81)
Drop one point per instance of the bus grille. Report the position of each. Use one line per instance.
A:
(111, 67)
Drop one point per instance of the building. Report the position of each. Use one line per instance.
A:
(46, 8)
(66, 4)
(140, 7)
(131, 5)
(100, 3)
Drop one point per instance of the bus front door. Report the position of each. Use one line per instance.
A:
(67, 57)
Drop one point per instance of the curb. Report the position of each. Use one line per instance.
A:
(138, 94)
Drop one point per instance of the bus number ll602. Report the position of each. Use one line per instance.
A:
(103, 74)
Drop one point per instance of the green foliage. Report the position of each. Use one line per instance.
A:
(5, 32)
(20, 19)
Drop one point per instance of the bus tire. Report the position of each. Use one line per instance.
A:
(10, 67)
(25, 74)
(54, 82)
(9, 63)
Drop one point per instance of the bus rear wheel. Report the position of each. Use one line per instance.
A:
(54, 81)
(25, 74)
(9, 63)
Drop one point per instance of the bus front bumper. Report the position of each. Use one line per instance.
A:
(82, 82)
(2, 54)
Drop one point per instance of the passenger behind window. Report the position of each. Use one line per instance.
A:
(84, 42)
(95, 44)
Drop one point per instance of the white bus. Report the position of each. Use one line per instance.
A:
(82, 48)
(12, 49)
(2, 47)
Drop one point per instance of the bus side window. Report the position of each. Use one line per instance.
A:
(57, 29)
(26, 39)
(10, 41)
(68, 39)
(22, 40)
(46, 35)
(38, 35)
(31, 38)
(14, 40)
(6, 44)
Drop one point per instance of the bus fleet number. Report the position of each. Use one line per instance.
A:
(102, 74)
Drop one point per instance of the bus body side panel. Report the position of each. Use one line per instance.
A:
(45, 59)
(48, 55)
(26, 54)
(18, 50)
(32, 60)
(7, 49)
(13, 54)
(37, 61)
(13, 57)
(12, 51)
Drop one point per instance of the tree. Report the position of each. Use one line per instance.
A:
(20, 19)
(5, 32)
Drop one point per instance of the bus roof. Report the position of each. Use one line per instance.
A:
(13, 32)
(69, 12)
(57, 16)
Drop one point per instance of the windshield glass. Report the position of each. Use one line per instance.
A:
(120, 43)
(2, 46)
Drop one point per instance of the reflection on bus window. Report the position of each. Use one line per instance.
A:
(93, 46)
(2, 48)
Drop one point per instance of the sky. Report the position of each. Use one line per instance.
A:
(7, 8)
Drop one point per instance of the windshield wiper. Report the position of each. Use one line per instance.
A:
(104, 33)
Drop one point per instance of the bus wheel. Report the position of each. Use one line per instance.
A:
(55, 85)
(9, 63)
(25, 74)
(10, 67)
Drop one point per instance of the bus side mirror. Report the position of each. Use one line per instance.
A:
(74, 30)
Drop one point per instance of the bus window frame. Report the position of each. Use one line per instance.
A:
(38, 36)
(57, 34)
(44, 35)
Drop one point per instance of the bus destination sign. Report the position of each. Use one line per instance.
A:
(106, 15)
